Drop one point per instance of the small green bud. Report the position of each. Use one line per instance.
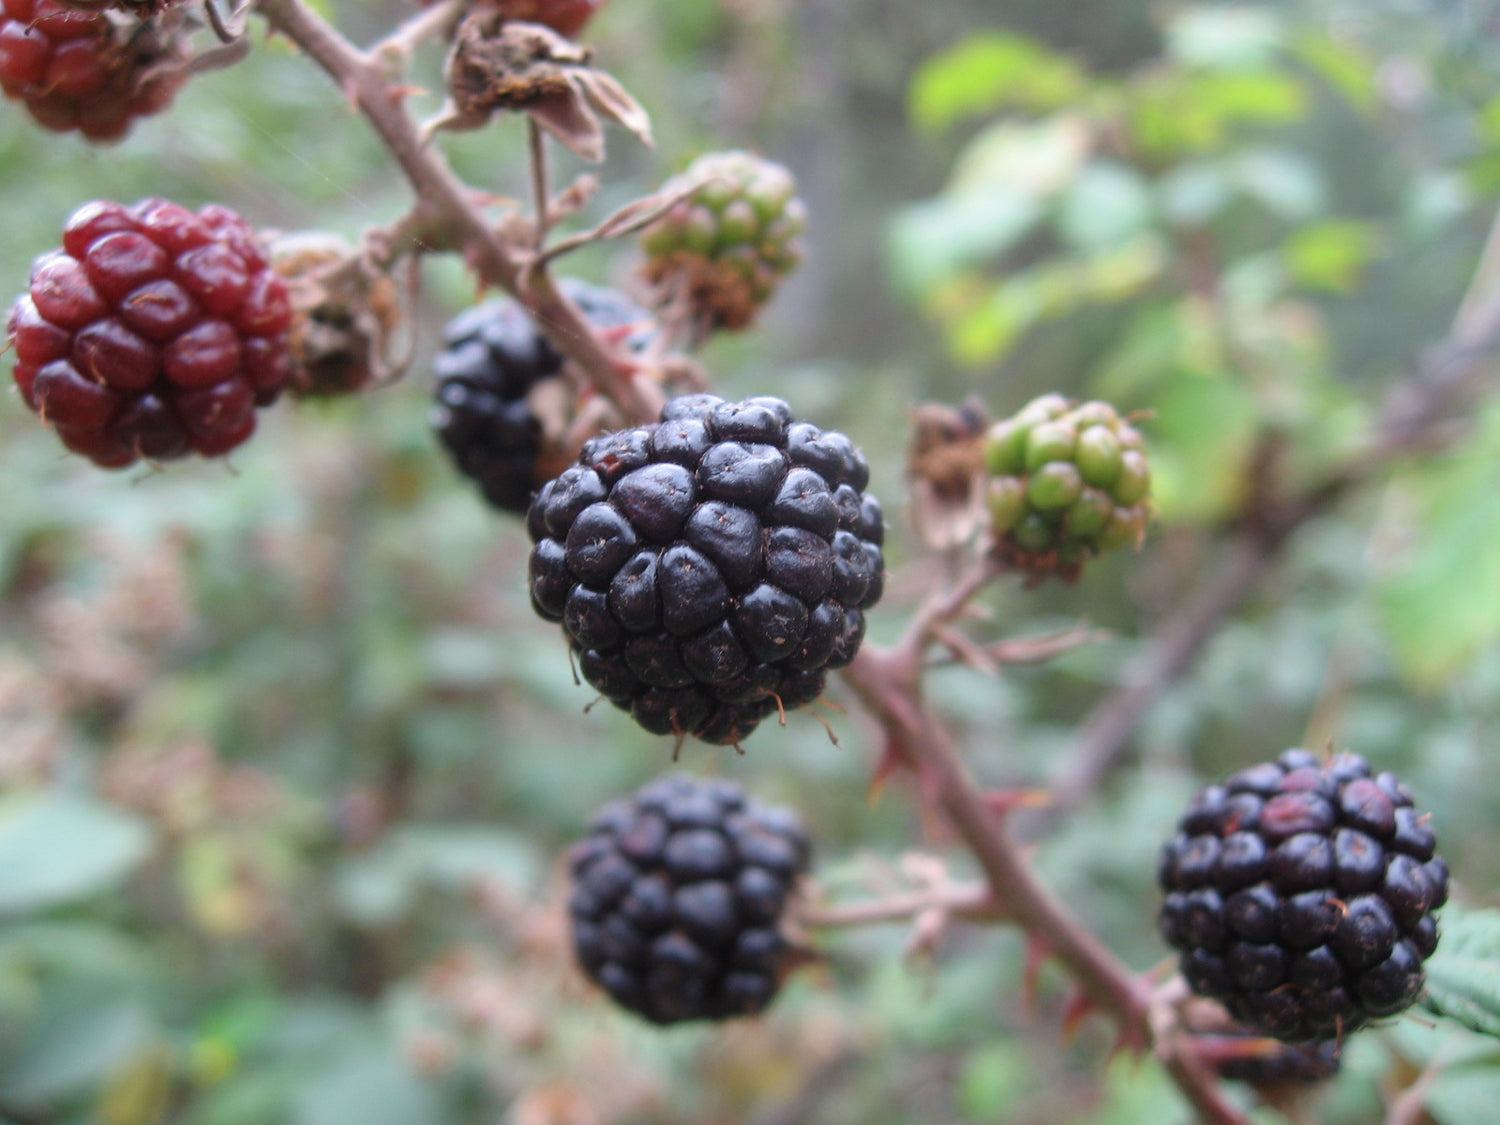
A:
(1006, 499)
(1098, 456)
(1005, 448)
(1134, 481)
(1094, 413)
(1126, 528)
(1089, 514)
(1055, 485)
(1033, 533)
(1050, 441)
(738, 223)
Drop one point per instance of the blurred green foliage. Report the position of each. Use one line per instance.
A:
(287, 759)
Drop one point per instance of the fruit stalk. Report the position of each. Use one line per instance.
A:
(449, 215)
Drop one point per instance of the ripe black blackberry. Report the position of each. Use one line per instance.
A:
(493, 358)
(1289, 1063)
(710, 568)
(678, 893)
(1300, 894)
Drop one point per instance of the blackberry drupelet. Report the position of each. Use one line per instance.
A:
(1289, 1063)
(710, 568)
(493, 357)
(1300, 894)
(152, 333)
(678, 894)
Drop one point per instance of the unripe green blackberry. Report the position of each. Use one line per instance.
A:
(727, 246)
(1066, 482)
(678, 897)
(1300, 894)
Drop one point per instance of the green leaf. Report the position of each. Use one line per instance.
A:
(1342, 66)
(378, 888)
(939, 237)
(372, 1086)
(71, 1046)
(1200, 433)
(1225, 36)
(1437, 609)
(1107, 204)
(1331, 255)
(55, 848)
(990, 72)
(1463, 976)
(994, 1076)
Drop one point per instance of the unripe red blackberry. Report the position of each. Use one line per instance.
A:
(726, 247)
(1066, 482)
(710, 568)
(1300, 894)
(678, 896)
(89, 70)
(493, 359)
(152, 333)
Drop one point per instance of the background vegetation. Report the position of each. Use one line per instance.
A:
(286, 759)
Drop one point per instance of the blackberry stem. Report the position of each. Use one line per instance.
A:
(449, 208)
(888, 681)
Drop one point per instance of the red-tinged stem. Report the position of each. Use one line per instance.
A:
(449, 215)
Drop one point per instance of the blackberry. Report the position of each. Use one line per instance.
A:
(89, 69)
(678, 893)
(1286, 1064)
(710, 568)
(493, 358)
(727, 246)
(1066, 482)
(152, 333)
(1300, 894)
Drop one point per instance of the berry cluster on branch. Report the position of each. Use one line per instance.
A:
(709, 561)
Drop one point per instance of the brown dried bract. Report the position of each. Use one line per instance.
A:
(502, 64)
(945, 471)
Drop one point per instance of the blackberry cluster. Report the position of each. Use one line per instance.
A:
(493, 357)
(678, 896)
(1066, 482)
(1300, 894)
(154, 332)
(728, 245)
(84, 68)
(710, 568)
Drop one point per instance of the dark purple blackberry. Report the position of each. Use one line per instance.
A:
(678, 893)
(1300, 894)
(493, 357)
(710, 568)
(1286, 1064)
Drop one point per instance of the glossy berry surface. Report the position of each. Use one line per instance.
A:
(1300, 894)
(678, 894)
(710, 568)
(152, 333)
(1284, 1064)
(492, 361)
(85, 70)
